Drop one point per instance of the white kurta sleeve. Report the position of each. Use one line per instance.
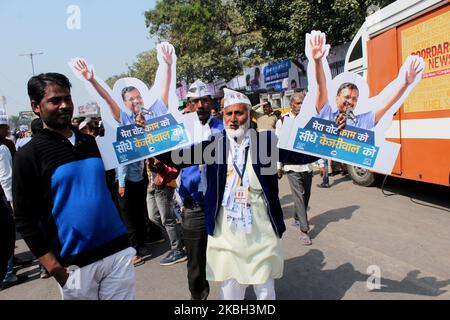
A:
(6, 171)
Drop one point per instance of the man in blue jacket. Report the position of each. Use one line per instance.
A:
(191, 189)
(243, 215)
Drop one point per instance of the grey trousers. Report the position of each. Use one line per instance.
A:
(300, 183)
(161, 211)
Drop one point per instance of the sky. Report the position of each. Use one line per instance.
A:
(109, 35)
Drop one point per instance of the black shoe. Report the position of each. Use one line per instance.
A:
(20, 279)
(323, 185)
(174, 256)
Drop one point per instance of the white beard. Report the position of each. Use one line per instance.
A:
(239, 132)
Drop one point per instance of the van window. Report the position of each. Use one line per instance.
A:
(357, 51)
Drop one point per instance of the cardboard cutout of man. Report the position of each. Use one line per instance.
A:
(348, 93)
(131, 96)
(353, 132)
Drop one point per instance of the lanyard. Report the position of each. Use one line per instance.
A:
(241, 175)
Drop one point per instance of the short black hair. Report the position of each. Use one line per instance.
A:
(347, 85)
(93, 125)
(37, 84)
(267, 103)
(36, 125)
(126, 90)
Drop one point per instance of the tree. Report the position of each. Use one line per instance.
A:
(284, 23)
(111, 80)
(210, 37)
(145, 67)
(14, 122)
(216, 39)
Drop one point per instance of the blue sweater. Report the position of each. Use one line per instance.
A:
(61, 200)
(190, 176)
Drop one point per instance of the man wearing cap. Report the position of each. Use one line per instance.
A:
(243, 214)
(191, 189)
(245, 220)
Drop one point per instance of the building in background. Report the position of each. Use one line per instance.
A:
(274, 82)
(91, 110)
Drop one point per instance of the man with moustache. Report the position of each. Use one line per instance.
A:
(243, 214)
(191, 189)
(62, 205)
(244, 219)
(267, 119)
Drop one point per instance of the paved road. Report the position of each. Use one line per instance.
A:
(404, 236)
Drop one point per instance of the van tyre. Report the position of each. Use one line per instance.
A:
(362, 176)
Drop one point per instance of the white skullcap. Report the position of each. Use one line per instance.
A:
(3, 117)
(233, 97)
(197, 90)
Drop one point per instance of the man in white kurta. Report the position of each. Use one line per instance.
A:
(244, 249)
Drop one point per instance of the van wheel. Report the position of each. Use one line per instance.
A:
(362, 176)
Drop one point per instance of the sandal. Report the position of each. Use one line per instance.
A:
(137, 261)
(305, 240)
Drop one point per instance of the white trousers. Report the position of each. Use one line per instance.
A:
(233, 290)
(111, 278)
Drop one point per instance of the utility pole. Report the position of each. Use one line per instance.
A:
(3, 102)
(31, 54)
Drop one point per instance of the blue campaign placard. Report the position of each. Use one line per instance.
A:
(350, 132)
(277, 71)
(322, 137)
(276, 86)
(278, 67)
(158, 135)
(133, 130)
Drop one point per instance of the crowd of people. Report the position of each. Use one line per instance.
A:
(206, 224)
(89, 231)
